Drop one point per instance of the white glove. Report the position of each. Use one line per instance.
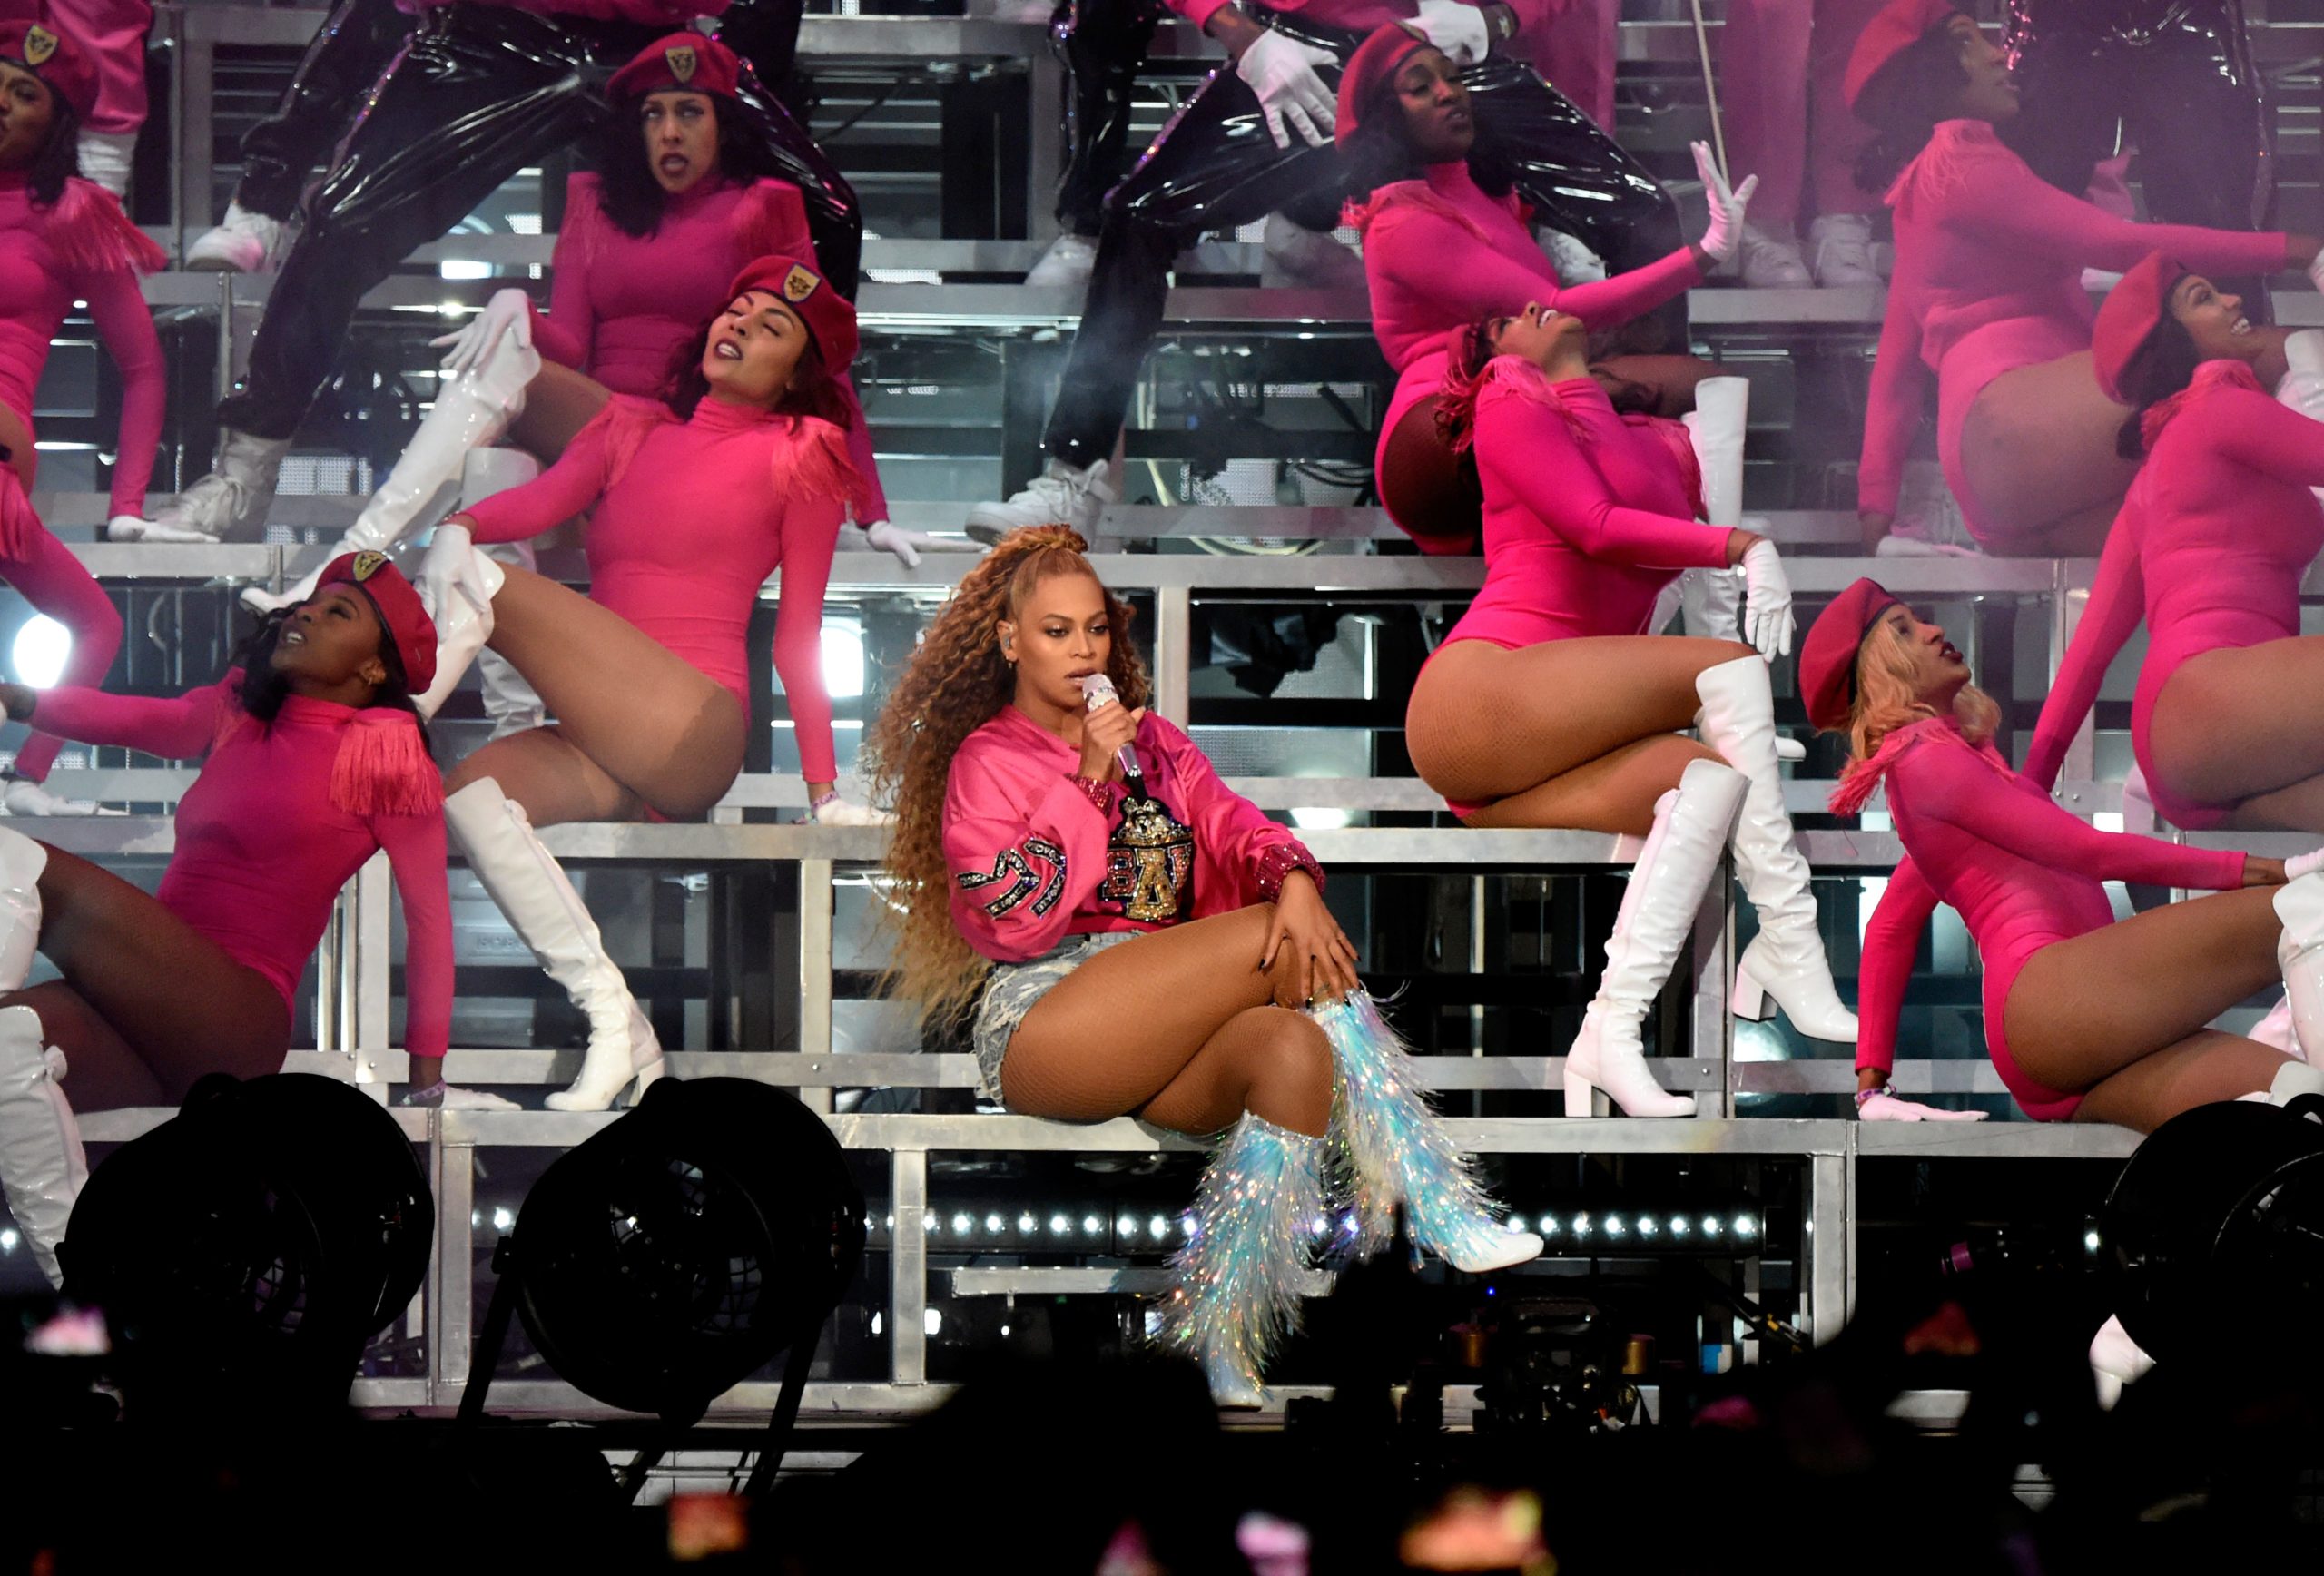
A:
(1726, 205)
(2300, 864)
(509, 311)
(1884, 1107)
(138, 528)
(908, 545)
(451, 570)
(1766, 601)
(1456, 28)
(1281, 71)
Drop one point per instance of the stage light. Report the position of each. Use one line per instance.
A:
(1647, 1225)
(1614, 1226)
(1678, 1226)
(1093, 1224)
(994, 1224)
(42, 647)
(1582, 1225)
(960, 1224)
(1026, 1225)
(503, 1218)
(249, 1247)
(1158, 1228)
(1711, 1226)
(1745, 1228)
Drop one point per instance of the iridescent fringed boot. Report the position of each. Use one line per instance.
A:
(1394, 1149)
(1241, 1274)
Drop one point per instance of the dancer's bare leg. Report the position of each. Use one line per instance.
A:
(1486, 723)
(654, 724)
(558, 403)
(1669, 379)
(2247, 725)
(1177, 1026)
(2090, 1013)
(2038, 447)
(148, 1004)
(542, 770)
(1614, 793)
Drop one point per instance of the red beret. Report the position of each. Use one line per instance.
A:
(1828, 656)
(2128, 317)
(692, 61)
(1899, 24)
(54, 57)
(1376, 60)
(830, 317)
(409, 625)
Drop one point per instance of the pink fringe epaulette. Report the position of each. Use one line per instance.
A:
(1417, 196)
(1860, 780)
(581, 230)
(2209, 377)
(1505, 377)
(383, 767)
(1680, 443)
(1954, 155)
(628, 421)
(814, 463)
(90, 234)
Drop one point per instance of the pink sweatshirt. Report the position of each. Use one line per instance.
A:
(264, 844)
(1438, 254)
(2020, 872)
(690, 519)
(1028, 847)
(1589, 513)
(620, 306)
(82, 249)
(1989, 261)
(2210, 549)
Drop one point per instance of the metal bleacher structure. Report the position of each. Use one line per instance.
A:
(747, 933)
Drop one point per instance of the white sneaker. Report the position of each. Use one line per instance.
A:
(1841, 244)
(847, 813)
(137, 528)
(1768, 261)
(243, 243)
(23, 796)
(446, 1097)
(1060, 495)
(1575, 264)
(1305, 258)
(1066, 264)
(231, 501)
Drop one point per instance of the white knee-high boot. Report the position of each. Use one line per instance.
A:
(42, 1164)
(22, 860)
(1715, 425)
(465, 621)
(1691, 827)
(1786, 960)
(1241, 1274)
(471, 412)
(2299, 954)
(510, 703)
(540, 904)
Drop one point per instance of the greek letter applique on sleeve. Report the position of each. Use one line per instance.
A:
(1013, 867)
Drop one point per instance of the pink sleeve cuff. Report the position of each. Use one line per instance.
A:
(1199, 11)
(1276, 861)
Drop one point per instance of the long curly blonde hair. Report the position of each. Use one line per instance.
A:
(1885, 698)
(956, 683)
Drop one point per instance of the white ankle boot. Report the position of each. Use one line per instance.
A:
(1691, 827)
(471, 413)
(540, 904)
(1062, 495)
(242, 242)
(43, 1166)
(464, 619)
(1786, 960)
(231, 501)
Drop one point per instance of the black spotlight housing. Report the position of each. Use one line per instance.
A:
(670, 1256)
(249, 1247)
(2217, 1220)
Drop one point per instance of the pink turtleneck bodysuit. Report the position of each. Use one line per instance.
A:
(1438, 254)
(695, 516)
(82, 248)
(264, 846)
(2020, 872)
(1989, 261)
(2210, 549)
(621, 305)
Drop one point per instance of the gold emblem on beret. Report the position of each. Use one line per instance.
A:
(367, 564)
(799, 284)
(682, 59)
(39, 45)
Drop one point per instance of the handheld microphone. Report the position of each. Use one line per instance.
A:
(1097, 690)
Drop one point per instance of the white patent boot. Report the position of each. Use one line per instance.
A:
(471, 412)
(1692, 823)
(1715, 426)
(1786, 959)
(2299, 954)
(465, 623)
(231, 501)
(541, 906)
(42, 1165)
(511, 705)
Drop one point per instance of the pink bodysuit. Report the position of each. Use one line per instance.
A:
(1438, 254)
(1031, 849)
(2210, 549)
(620, 306)
(1989, 261)
(263, 841)
(691, 517)
(2020, 872)
(83, 248)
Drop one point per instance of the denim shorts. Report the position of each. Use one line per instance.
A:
(1012, 990)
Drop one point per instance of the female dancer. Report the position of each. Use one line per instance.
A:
(695, 503)
(2210, 550)
(1013, 802)
(1549, 704)
(1444, 239)
(315, 760)
(1988, 297)
(2088, 1019)
(66, 240)
(687, 196)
